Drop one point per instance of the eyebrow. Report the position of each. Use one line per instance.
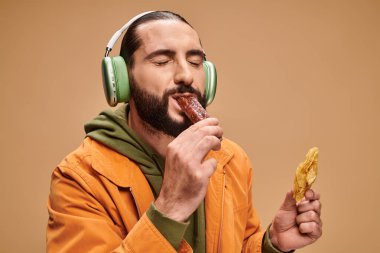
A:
(171, 53)
(166, 52)
(196, 52)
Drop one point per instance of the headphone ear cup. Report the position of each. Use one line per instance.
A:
(211, 81)
(115, 80)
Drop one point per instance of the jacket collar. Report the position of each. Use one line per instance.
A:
(115, 167)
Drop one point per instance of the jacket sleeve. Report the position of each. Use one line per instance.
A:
(79, 223)
(268, 246)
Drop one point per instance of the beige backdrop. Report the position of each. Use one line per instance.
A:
(292, 75)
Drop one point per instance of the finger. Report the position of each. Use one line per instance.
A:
(204, 146)
(191, 136)
(311, 195)
(289, 202)
(197, 132)
(309, 216)
(209, 166)
(311, 228)
(206, 122)
(306, 206)
(210, 130)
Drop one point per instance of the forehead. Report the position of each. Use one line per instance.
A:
(167, 34)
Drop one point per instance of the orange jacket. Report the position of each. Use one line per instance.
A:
(98, 201)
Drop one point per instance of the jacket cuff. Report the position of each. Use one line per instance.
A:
(267, 246)
(172, 230)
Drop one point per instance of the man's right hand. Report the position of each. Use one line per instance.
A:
(187, 174)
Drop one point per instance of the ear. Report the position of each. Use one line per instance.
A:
(115, 80)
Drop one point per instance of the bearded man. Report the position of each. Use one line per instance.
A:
(145, 179)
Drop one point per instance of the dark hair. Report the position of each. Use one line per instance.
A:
(131, 42)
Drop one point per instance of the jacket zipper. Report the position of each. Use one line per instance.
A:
(134, 200)
(221, 220)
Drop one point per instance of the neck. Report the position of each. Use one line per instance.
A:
(155, 139)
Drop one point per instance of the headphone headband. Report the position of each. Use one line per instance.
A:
(119, 32)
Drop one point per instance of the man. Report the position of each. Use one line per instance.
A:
(146, 180)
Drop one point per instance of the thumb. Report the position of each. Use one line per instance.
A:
(289, 202)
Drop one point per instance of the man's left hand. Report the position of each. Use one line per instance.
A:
(297, 224)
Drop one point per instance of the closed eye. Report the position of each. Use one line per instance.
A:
(196, 64)
(195, 60)
(160, 57)
(161, 63)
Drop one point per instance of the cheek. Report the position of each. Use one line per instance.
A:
(151, 79)
(200, 80)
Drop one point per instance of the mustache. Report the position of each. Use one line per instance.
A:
(183, 89)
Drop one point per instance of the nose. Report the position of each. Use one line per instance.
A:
(183, 74)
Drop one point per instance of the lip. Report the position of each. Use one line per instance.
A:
(175, 102)
(186, 94)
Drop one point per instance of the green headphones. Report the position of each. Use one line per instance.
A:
(115, 74)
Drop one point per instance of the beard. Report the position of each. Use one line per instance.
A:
(153, 110)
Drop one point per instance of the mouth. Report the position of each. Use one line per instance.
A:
(186, 94)
(175, 102)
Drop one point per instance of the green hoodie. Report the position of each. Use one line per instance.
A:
(111, 129)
